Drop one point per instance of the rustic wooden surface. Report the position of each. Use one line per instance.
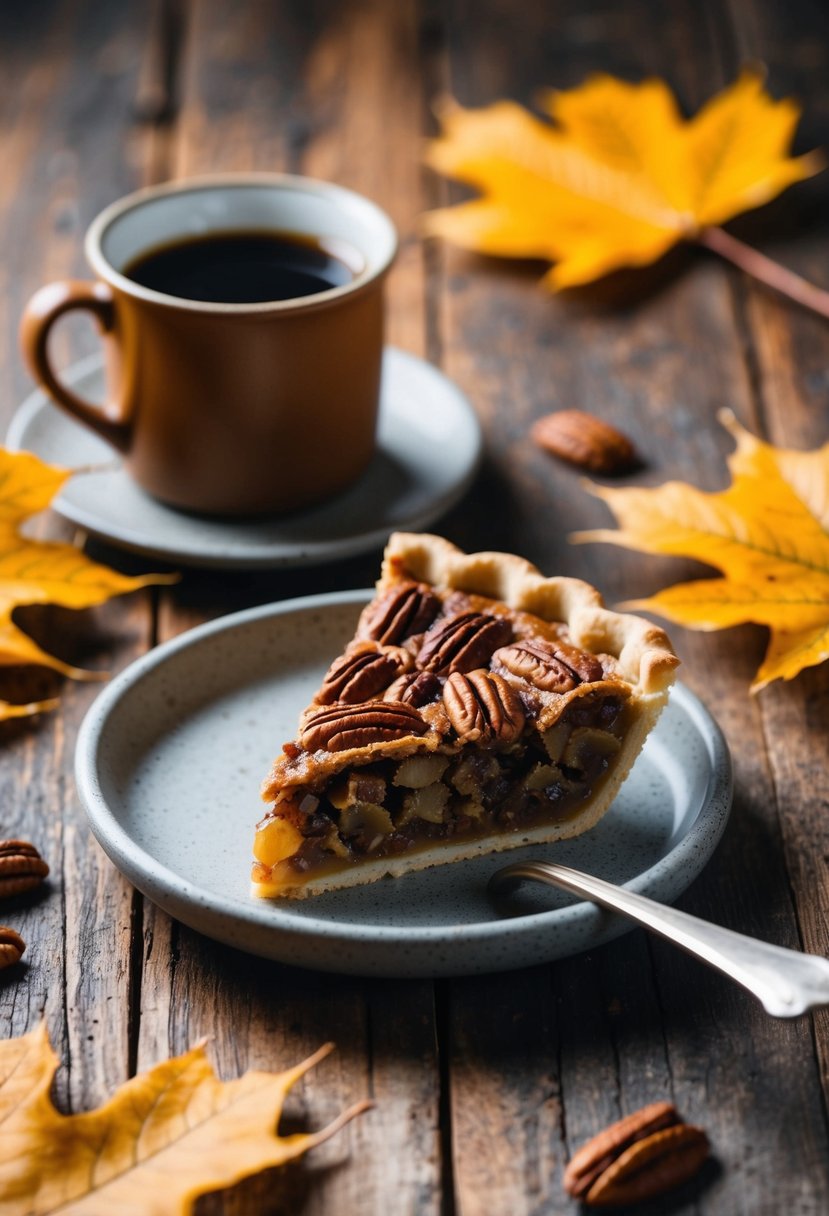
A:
(483, 1087)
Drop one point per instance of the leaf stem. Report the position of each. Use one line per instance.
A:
(767, 271)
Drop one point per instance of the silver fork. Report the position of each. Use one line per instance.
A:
(786, 982)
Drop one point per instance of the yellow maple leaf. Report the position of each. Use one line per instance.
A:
(164, 1138)
(618, 179)
(43, 572)
(769, 535)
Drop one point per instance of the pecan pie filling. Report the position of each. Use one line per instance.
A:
(451, 717)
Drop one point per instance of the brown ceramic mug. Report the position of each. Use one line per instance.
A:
(230, 408)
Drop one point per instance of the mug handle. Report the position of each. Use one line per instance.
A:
(40, 314)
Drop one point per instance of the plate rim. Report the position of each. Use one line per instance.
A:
(265, 915)
(259, 556)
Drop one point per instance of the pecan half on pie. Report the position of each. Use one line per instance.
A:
(479, 706)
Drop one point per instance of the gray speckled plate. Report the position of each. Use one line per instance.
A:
(171, 755)
(428, 449)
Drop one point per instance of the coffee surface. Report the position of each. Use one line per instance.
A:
(243, 268)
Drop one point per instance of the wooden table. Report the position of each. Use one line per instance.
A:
(483, 1087)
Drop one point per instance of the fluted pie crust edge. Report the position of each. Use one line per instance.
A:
(644, 652)
(644, 665)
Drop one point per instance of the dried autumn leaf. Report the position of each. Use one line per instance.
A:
(619, 179)
(164, 1138)
(769, 535)
(43, 572)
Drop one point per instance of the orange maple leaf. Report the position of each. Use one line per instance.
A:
(769, 535)
(162, 1140)
(43, 572)
(619, 179)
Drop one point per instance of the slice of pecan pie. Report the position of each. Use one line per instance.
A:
(479, 706)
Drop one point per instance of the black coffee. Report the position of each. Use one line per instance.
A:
(244, 267)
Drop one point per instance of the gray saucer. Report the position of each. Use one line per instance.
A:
(429, 445)
(170, 759)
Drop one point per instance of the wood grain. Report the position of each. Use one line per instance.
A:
(790, 351)
(483, 1087)
(68, 141)
(349, 79)
(658, 367)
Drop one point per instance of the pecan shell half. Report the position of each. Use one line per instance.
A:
(361, 674)
(12, 946)
(339, 727)
(551, 666)
(21, 867)
(399, 614)
(463, 642)
(481, 706)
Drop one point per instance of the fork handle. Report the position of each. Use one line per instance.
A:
(786, 982)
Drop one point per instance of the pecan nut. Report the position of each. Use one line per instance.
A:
(551, 666)
(481, 706)
(359, 675)
(21, 867)
(641, 1156)
(463, 642)
(651, 1166)
(586, 666)
(12, 946)
(401, 613)
(585, 441)
(416, 688)
(340, 727)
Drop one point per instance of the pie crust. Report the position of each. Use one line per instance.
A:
(479, 707)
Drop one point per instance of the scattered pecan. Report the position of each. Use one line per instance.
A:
(399, 614)
(482, 706)
(339, 727)
(585, 441)
(21, 867)
(643, 1155)
(463, 642)
(361, 674)
(652, 1166)
(12, 946)
(414, 688)
(552, 666)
